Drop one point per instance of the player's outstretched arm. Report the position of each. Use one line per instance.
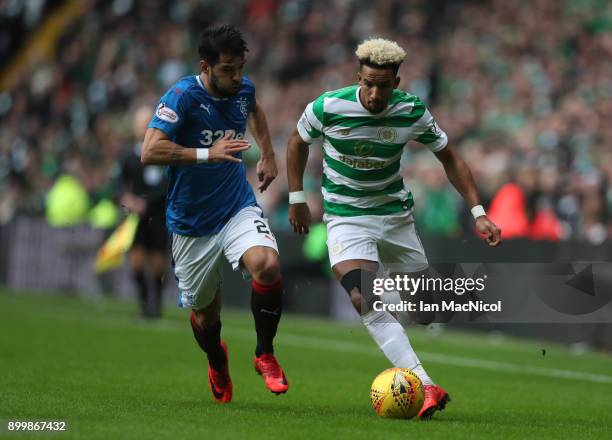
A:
(461, 177)
(158, 149)
(297, 157)
(266, 166)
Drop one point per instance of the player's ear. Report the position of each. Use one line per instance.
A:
(204, 66)
(358, 76)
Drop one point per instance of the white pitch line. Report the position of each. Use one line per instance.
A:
(336, 345)
(438, 358)
(461, 361)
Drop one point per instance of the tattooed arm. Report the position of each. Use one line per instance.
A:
(158, 149)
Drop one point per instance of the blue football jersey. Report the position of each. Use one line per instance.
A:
(202, 198)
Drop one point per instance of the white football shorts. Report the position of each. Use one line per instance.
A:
(198, 264)
(389, 239)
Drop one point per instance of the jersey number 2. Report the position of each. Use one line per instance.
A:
(262, 228)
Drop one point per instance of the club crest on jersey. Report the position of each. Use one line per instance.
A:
(336, 249)
(387, 135)
(345, 131)
(363, 149)
(166, 113)
(243, 104)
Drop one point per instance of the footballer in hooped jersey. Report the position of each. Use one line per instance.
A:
(197, 131)
(367, 208)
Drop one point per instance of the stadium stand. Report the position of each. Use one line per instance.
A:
(522, 88)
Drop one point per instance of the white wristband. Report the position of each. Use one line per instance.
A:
(297, 197)
(201, 155)
(478, 211)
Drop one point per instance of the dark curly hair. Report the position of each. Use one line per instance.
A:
(218, 39)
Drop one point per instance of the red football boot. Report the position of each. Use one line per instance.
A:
(267, 366)
(435, 400)
(220, 382)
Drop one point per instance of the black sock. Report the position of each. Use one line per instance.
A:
(157, 300)
(141, 282)
(266, 305)
(209, 340)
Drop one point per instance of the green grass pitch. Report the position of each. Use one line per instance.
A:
(111, 376)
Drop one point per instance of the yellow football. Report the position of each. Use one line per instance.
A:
(397, 393)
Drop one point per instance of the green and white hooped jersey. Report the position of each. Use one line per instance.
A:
(362, 150)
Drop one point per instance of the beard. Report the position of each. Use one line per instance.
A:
(226, 92)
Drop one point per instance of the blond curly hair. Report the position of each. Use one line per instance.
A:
(380, 52)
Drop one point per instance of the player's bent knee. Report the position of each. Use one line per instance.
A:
(358, 283)
(204, 318)
(266, 269)
(269, 274)
(209, 315)
(356, 300)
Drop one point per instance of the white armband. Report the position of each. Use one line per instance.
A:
(297, 197)
(478, 211)
(201, 155)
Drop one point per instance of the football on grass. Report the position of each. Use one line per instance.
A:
(397, 393)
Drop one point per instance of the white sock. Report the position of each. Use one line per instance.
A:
(390, 337)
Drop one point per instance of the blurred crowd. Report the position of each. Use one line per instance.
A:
(522, 87)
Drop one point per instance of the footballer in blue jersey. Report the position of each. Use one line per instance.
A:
(198, 132)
